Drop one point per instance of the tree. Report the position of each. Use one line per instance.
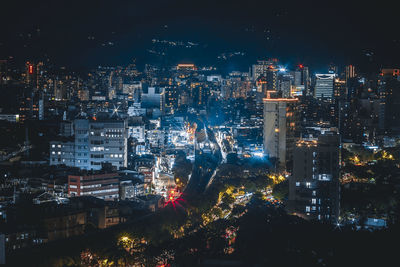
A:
(281, 190)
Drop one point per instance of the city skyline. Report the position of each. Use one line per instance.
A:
(84, 35)
(207, 133)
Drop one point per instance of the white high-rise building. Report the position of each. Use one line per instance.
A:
(324, 86)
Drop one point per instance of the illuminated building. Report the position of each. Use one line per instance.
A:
(285, 85)
(83, 95)
(151, 97)
(133, 89)
(350, 72)
(314, 184)
(62, 153)
(95, 142)
(29, 106)
(186, 67)
(262, 67)
(389, 96)
(104, 186)
(59, 90)
(9, 117)
(324, 84)
(199, 93)
(33, 75)
(301, 78)
(305, 79)
(390, 72)
(272, 78)
(261, 84)
(130, 189)
(29, 73)
(279, 129)
(340, 89)
(171, 98)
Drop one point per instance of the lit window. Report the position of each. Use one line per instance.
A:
(314, 201)
(308, 209)
(297, 183)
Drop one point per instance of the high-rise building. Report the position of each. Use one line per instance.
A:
(262, 67)
(324, 86)
(29, 105)
(350, 72)
(285, 85)
(340, 89)
(171, 97)
(133, 89)
(107, 140)
(199, 93)
(301, 80)
(151, 97)
(279, 129)
(59, 90)
(261, 84)
(389, 95)
(314, 184)
(305, 79)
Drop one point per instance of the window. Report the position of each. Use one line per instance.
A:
(314, 201)
(297, 183)
(308, 185)
(308, 209)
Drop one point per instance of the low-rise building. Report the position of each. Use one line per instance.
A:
(104, 186)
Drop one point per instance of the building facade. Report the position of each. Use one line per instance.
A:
(104, 186)
(314, 184)
(324, 86)
(95, 142)
(279, 129)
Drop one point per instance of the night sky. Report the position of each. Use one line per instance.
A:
(315, 33)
